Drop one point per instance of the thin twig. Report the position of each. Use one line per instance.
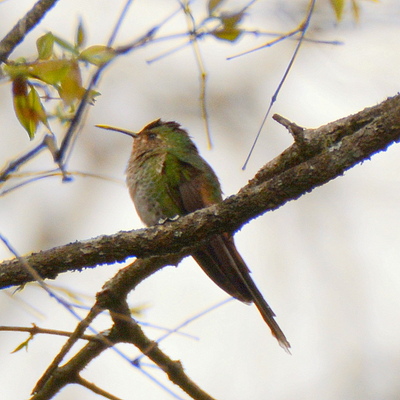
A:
(83, 104)
(117, 26)
(202, 70)
(95, 389)
(302, 29)
(295, 130)
(187, 322)
(15, 164)
(34, 330)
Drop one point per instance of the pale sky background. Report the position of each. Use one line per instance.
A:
(327, 263)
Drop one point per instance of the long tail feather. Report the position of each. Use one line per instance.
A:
(223, 264)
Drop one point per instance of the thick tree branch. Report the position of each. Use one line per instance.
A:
(322, 155)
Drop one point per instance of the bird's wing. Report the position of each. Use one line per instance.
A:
(219, 257)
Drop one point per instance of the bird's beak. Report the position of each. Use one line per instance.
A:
(111, 128)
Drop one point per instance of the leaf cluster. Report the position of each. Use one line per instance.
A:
(339, 8)
(52, 75)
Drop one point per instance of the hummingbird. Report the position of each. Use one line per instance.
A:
(167, 178)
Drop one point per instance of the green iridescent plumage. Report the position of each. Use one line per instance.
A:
(167, 178)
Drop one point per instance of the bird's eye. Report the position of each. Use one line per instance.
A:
(152, 135)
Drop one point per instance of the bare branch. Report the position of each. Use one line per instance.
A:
(94, 388)
(125, 329)
(15, 164)
(34, 330)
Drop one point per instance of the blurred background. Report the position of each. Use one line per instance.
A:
(327, 263)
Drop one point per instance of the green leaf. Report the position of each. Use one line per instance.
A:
(51, 71)
(28, 106)
(92, 96)
(97, 55)
(231, 20)
(36, 106)
(355, 9)
(139, 310)
(338, 7)
(20, 100)
(212, 5)
(229, 34)
(15, 70)
(229, 30)
(66, 45)
(71, 86)
(45, 46)
(80, 35)
(23, 345)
